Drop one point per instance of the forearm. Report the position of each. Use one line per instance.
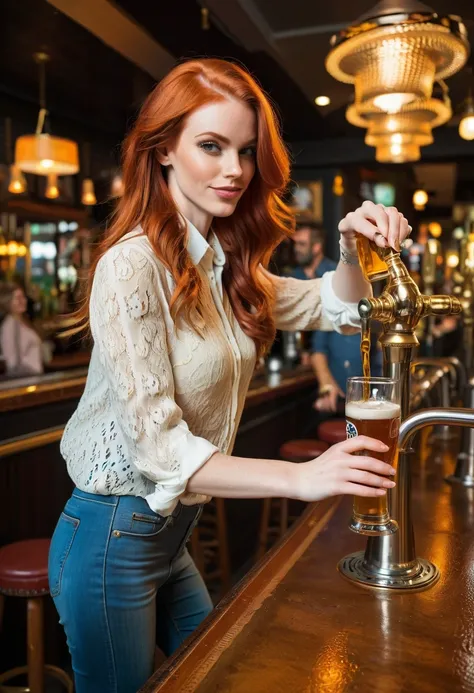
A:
(349, 283)
(226, 476)
(321, 370)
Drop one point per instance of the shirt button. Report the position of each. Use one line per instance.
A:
(347, 364)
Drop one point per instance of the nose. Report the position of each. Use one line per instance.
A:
(232, 166)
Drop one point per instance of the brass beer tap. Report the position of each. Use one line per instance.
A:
(390, 561)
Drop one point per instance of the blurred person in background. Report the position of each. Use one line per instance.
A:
(308, 248)
(20, 345)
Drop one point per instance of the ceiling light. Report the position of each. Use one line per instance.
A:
(88, 192)
(52, 190)
(466, 126)
(435, 229)
(42, 153)
(420, 198)
(17, 182)
(452, 259)
(411, 126)
(395, 52)
(117, 187)
(397, 153)
(322, 101)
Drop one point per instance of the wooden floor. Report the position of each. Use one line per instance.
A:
(305, 629)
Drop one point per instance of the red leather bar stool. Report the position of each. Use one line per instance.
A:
(24, 574)
(275, 519)
(332, 431)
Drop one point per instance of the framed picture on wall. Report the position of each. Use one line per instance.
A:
(306, 200)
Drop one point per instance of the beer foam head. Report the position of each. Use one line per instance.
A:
(372, 409)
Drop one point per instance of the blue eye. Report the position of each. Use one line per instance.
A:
(210, 147)
(249, 151)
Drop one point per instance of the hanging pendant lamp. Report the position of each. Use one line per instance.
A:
(43, 153)
(394, 53)
(409, 129)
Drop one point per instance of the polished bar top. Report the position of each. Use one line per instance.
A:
(55, 387)
(295, 624)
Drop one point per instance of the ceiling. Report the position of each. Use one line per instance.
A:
(99, 73)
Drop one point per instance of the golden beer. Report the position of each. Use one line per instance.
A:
(371, 261)
(379, 418)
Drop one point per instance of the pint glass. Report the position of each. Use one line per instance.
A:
(373, 409)
(371, 259)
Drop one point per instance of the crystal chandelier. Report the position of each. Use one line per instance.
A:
(395, 52)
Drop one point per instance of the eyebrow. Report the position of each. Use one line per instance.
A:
(224, 139)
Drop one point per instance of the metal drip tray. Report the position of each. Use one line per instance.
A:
(424, 575)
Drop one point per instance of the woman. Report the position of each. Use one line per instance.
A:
(180, 308)
(20, 346)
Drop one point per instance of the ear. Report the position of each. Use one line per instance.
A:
(163, 157)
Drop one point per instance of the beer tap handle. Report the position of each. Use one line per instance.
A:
(381, 308)
(441, 305)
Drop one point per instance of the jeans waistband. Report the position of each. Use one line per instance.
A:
(123, 501)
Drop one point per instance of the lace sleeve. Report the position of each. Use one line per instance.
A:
(129, 315)
(311, 304)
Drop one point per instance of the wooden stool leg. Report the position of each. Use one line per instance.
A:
(263, 532)
(35, 645)
(283, 515)
(224, 561)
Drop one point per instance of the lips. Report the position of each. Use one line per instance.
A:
(228, 192)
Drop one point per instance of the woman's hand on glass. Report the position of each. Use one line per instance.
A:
(386, 226)
(339, 471)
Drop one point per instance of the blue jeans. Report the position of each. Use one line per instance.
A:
(122, 581)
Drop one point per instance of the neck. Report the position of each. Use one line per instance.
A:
(201, 219)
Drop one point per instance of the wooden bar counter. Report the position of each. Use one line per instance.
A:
(294, 624)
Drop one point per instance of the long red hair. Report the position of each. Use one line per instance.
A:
(248, 237)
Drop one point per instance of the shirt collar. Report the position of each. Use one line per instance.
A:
(198, 247)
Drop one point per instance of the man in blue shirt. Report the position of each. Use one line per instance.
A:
(334, 357)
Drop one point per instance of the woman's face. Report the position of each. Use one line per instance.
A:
(213, 161)
(18, 304)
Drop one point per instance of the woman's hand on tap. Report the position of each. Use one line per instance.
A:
(339, 471)
(386, 226)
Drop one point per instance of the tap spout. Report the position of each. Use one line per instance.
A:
(432, 417)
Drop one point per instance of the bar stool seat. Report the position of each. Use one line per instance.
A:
(24, 568)
(302, 450)
(332, 431)
(24, 573)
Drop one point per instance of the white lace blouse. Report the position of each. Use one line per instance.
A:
(159, 402)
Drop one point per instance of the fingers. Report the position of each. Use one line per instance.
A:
(357, 476)
(351, 489)
(370, 464)
(360, 443)
(378, 214)
(385, 226)
(394, 227)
